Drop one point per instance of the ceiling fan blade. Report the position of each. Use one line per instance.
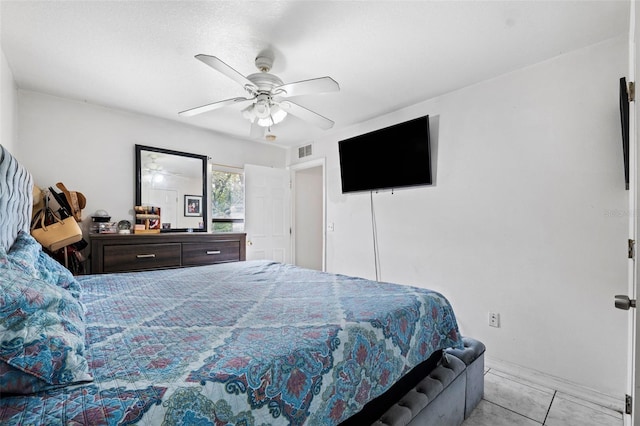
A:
(307, 115)
(307, 87)
(257, 132)
(225, 69)
(215, 105)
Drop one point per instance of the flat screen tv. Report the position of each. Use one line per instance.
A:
(624, 122)
(393, 157)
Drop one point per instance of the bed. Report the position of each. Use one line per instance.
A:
(243, 343)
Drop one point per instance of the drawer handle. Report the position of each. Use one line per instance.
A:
(145, 256)
(213, 251)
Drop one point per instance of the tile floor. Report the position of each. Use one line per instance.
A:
(511, 401)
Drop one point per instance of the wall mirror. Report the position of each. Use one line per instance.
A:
(176, 182)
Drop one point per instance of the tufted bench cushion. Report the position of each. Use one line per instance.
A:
(473, 349)
(436, 400)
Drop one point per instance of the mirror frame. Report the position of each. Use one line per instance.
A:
(205, 198)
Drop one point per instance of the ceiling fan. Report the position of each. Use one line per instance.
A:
(268, 103)
(152, 171)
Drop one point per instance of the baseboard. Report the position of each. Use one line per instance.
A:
(609, 401)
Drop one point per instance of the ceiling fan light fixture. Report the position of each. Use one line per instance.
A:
(264, 113)
(261, 108)
(277, 113)
(265, 122)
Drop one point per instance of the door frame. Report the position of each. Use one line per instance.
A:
(633, 357)
(295, 168)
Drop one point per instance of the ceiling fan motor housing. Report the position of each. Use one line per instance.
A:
(264, 63)
(265, 81)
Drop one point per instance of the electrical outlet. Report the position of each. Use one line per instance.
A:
(330, 226)
(494, 319)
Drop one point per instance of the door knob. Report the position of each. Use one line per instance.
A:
(623, 302)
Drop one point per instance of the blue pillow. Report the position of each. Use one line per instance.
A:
(26, 253)
(42, 339)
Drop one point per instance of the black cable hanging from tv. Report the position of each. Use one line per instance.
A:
(374, 231)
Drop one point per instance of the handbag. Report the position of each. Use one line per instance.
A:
(60, 233)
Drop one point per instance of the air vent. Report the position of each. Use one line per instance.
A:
(305, 151)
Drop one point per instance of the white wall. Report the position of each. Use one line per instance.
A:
(527, 217)
(8, 105)
(91, 148)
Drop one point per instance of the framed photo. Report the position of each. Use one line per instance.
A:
(193, 205)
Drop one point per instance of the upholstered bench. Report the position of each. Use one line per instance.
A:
(448, 395)
(473, 357)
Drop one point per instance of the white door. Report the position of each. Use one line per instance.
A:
(267, 213)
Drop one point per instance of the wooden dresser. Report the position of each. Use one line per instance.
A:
(122, 253)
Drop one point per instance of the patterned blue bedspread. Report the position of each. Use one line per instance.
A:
(249, 343)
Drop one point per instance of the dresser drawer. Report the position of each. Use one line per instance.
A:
(136, 257)
(213, 252)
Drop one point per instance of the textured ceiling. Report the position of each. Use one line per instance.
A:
(386, 55)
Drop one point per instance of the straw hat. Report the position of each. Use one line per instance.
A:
(76, 200)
